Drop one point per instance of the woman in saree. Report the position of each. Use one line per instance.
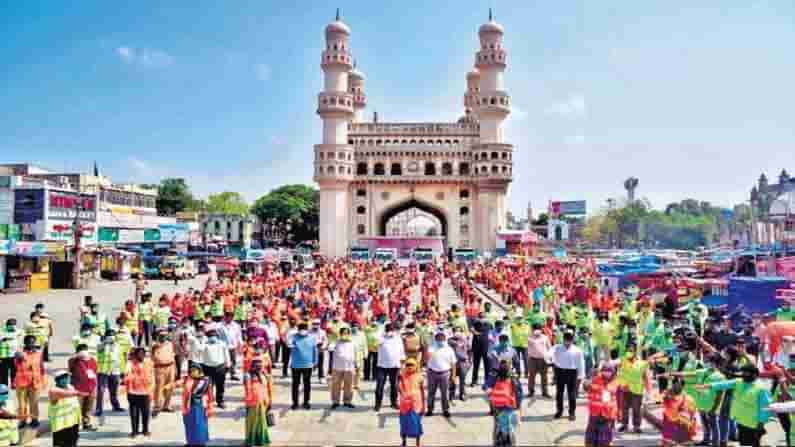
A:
(259, 395)
(411, 389)
(197, 406)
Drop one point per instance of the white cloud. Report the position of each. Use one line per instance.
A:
(574, 140)
(145, 57)
(263, 72)
(573, 107)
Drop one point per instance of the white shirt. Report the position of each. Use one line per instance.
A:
(345, 356)
(571, 358)
(273, 333)
(215, 354)
(234, 335)
(321, 337)
(441, 358)
(390, 352)
(195, 348)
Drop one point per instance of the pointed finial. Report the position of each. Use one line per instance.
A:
(338, 15)
(96, 169)
(354, 64)
(491, 16)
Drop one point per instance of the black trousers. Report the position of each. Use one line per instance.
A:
(140, 406)
(301, 375)
(521, 360)
(67, 437)
(566, 381)
(381, 376)
(146, 333)
(479, 355)
(8, 371)
(321, 355)
(217, 375)
(749, 436)
(285, 359)
(369, 365)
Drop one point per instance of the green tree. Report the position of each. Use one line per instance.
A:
(227, 202)
(173, 196)
(296, 206)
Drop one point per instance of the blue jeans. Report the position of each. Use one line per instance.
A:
(726, 425)
(709, 422)
(111, 382)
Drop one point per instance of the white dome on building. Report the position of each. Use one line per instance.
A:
(473, 74)
(355, 74)
(491, 27)
(338, 27)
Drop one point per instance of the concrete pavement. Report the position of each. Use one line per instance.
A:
(469, 425)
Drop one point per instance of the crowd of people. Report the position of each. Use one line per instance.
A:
(349, 323)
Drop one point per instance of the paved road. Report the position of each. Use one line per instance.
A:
(470, 424)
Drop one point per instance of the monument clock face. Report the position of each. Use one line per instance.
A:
(413, 167)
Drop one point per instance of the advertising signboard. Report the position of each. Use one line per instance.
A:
(64, 205)
(570, 208)
(151, 235)
(174, 232)
(108, 235)
(28, 205)
(63, 232)
(131, 236)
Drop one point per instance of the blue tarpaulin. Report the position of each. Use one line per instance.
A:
(756, 294)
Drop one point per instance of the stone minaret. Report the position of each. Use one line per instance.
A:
(334, 162)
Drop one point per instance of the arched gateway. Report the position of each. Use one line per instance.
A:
(368, 172)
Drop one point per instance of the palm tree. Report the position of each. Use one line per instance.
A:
(631, 184)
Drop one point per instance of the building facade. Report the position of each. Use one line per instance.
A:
(368, 172)
(235, 231)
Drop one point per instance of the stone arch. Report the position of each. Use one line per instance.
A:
(398, 208)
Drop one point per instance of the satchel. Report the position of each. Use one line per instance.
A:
(270, 419)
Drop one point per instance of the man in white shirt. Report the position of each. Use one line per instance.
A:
(233, 337)
(441, 360)
(390, 356)
(344, 366)
(569, 363)
(273, 335)
(322, 345)
(215, 361)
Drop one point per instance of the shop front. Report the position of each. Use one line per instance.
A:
(516, 242)
(28, 265)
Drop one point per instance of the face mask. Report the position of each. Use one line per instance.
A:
(85, 333)
(3, 399)
(62, 382)
(10, 328)
(212, 339)
(537, 332)
(302, 332)
(345, 338)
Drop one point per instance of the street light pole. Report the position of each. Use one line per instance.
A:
(77, 233)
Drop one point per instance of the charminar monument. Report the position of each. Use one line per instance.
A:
(369, 171)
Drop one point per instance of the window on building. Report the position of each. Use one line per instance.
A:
(361, 210)
(430, 168)
(495, 170)
(361, 193)
(396, 169)
(464, 211)
(463, 169)
(495, 155)
(361, 168)
(464, 194)
(360, 229)
(447, 169)
(378, 169)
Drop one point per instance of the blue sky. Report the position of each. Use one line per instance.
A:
(694, 98)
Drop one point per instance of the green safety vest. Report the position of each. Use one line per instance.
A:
(217, 308)
(520, 334)
(40, 332)
(705, 399)
(371, 334)
(9, 433)
(745, 403)
(10, 347)
(460, 322)
(64, 414)
(162, 314)
(633, 375)
(199, 311)
(242, 310)
(602, 331)
(145, 312)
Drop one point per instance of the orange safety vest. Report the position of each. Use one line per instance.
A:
(29, 374)
(139, 380)
(187, 391)
(503, 395)
(410, 392)
(602, 399)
